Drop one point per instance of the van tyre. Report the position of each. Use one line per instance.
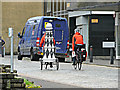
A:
(61, 59)
(19, 56)
(34, 57)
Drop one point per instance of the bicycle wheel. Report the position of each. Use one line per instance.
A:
(41, 65)
(46, 64)
(57, 64)
(75, 66)
(79, 64)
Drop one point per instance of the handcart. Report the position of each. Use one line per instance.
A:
(49, 50)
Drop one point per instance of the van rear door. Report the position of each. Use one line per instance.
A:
(59, 33)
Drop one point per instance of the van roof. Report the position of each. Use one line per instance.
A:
(41, 17)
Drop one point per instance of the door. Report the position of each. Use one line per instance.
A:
(101, 28)
(22, 41)
(34, 32)
(26, 39)
(60, 34)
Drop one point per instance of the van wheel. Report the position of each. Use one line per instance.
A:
(19, 56)
(34, 57)
(61, 59)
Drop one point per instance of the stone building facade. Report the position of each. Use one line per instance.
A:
(15, 15)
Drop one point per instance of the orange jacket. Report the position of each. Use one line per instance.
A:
(43, 40)
(77, 39)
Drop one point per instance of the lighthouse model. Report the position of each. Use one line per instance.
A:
(49, 48)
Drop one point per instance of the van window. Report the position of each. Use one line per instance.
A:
(23, 32)
(35, 29)
(27, 31)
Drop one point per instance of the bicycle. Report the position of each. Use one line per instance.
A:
(80, 56)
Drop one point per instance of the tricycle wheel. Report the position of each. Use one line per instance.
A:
(57, 64)
(75, 66)
(46, 64)
(41, 65)
(80, 64)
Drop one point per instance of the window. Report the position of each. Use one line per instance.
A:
(45, 24)
(94, 20)
(27, 31)
(34, 31)
(23, 32)
(68, 5)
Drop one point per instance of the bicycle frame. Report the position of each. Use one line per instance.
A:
(80, 55)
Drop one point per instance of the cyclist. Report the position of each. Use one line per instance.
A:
(76, 39)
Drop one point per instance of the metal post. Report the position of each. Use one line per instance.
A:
(111, 56)
(12, 54)
(91, 54)
(11, 36)
(0, 46)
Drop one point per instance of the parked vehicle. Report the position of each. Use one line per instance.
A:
(34, 30)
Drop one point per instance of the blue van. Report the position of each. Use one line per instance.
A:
(34, 30)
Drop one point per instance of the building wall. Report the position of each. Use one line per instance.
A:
(103, 30)
(15, 15)
(82, 22)
(93, 6)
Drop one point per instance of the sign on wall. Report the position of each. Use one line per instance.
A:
(108, 44)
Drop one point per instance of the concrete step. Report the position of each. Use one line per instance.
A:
(15, 80)
(7, 75)
(6, 66)
(8, 70)
(17, 85)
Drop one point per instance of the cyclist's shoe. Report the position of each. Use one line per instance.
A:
(73, 64)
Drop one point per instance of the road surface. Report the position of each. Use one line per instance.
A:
(91, 76)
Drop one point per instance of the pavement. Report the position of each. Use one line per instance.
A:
(90, 76)
(103, 62)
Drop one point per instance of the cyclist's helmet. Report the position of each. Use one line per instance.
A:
(77, 30)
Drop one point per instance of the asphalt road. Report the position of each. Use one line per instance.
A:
(48, 84)
(91, 76)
